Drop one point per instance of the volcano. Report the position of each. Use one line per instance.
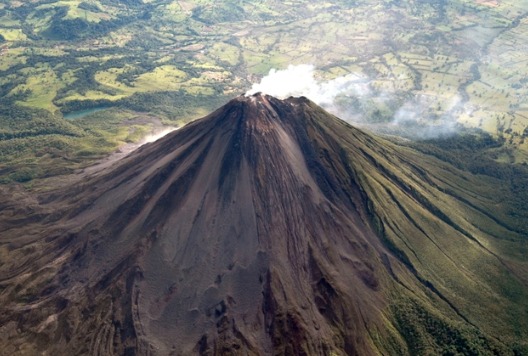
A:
(266, 227)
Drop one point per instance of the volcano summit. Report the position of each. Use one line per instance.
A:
(266, 227)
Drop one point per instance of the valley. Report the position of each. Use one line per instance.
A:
(177, 60)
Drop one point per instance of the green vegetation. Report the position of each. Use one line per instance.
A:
(479, 152)
(167, 62)
(427, 333)
(459, 228)
(462, 232)
(463, 57)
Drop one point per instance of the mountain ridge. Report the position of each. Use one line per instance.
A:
(269, 226)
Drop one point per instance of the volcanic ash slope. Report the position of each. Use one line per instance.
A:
(267, 227)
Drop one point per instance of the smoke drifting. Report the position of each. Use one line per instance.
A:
(157, 134)
(300, 80)
(353, 99)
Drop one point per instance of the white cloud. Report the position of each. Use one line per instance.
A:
(157, 134)
(299, 80)
(351, 98)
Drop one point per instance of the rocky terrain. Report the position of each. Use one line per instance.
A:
(267, 227)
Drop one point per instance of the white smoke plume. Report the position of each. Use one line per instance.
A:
(352, 98)
(299, 80)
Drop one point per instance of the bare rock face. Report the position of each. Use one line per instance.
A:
(267, 227)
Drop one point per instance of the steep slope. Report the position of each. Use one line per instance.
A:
(267, 227)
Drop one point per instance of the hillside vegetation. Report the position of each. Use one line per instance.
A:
(179, 59)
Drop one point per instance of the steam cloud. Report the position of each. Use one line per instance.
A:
(353, 99)
(300, 80)
(156, 135)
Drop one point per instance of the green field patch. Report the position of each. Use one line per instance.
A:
(205, 64)
(69, 4)
(486, 96)
(118, 38)
(198, 86)
(334, 72)
(163, 78)
(441, 84)
(55, 51)
(8, 21)
(40, 22)
(13, 34)
(90, 95)
(518, 125)
(75, 12)
(108, 78)
(258, 63)
(175, 12)
(486, 121)
(224, 52)
(41, 87)
(12, 57)
(164, 60)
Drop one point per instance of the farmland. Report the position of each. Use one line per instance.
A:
(177, 60)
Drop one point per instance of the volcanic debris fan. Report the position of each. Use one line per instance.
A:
(266, 227)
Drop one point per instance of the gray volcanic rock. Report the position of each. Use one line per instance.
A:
(245, 228)
(267, 227)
